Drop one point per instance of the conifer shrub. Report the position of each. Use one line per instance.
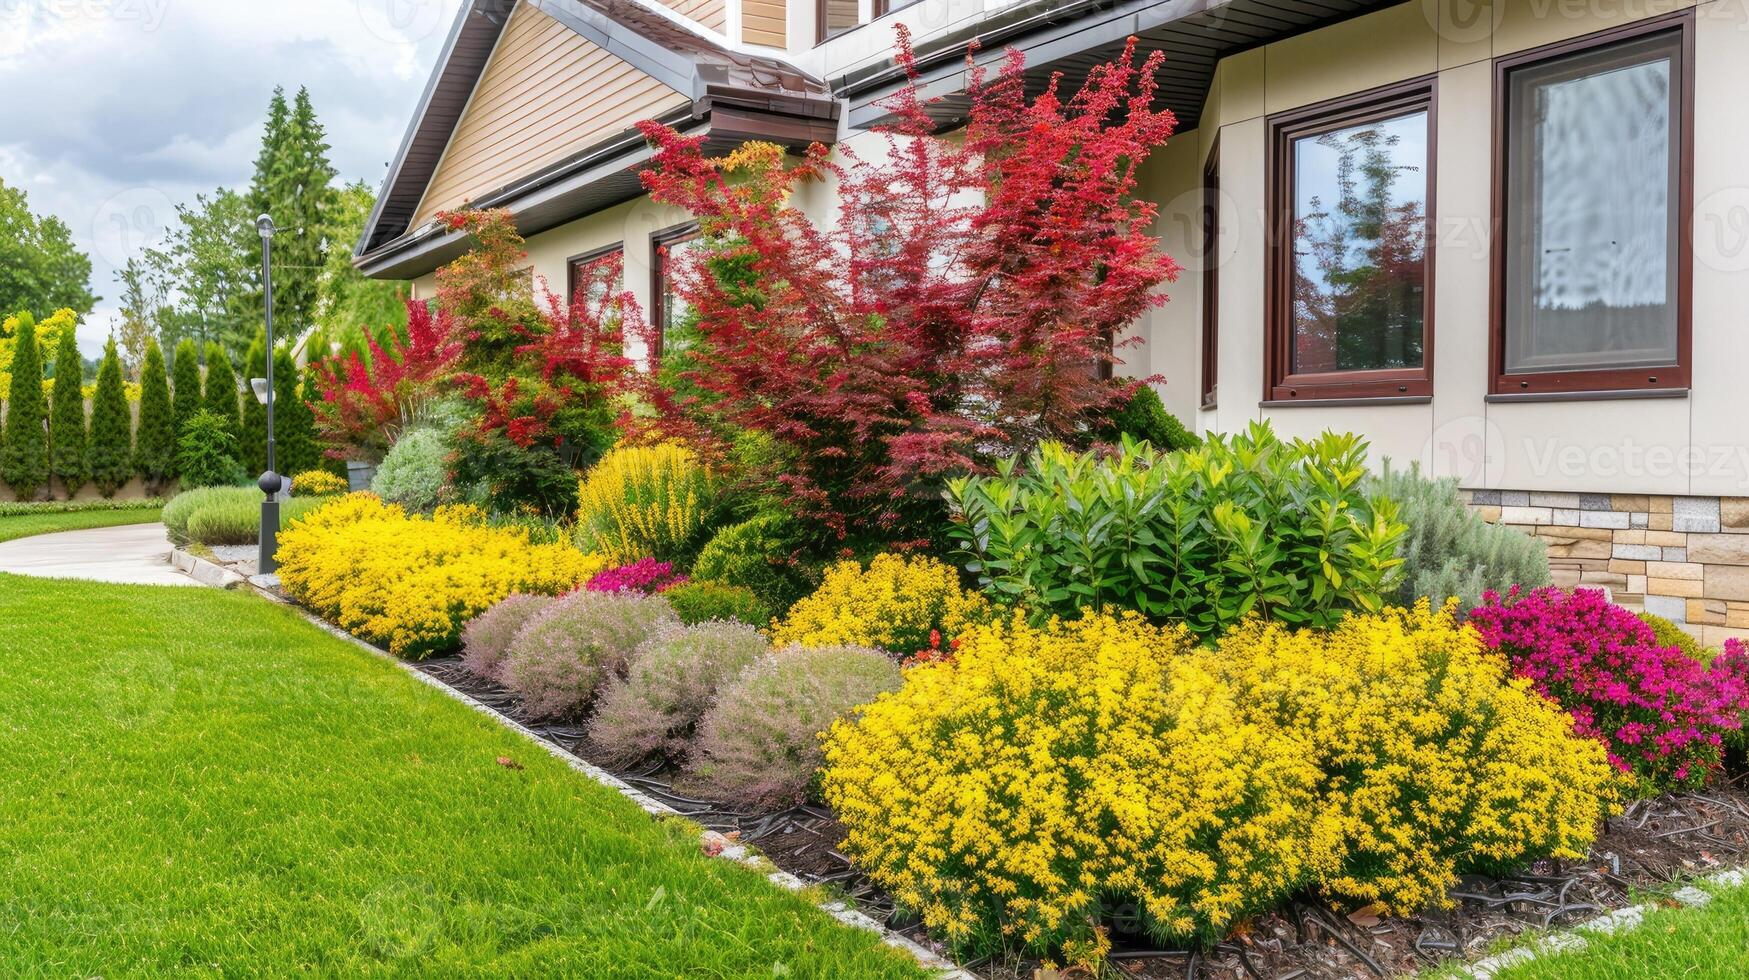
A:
(415, 471)
(702, 602)
(155, 440)
(645, 502)
(294, 424)
(253, 449)
(486, 639)
(1144, 418)
(1449, 549)
(207, 452)
(24, 454)
(759, 744)
(1668, 634)
(758, 554)
(67, 436)
(219, 392)
(562, 655)
(318, 483)
(186, 395)
(109, 456)
(669, 684)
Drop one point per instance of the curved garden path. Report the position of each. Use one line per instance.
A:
(133, 554)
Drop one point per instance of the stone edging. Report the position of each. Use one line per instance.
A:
(710, 841)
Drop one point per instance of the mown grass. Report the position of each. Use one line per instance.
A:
(1703, 943)
(14, 526)
(199, 781)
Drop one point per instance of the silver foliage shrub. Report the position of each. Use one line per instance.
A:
(1450, 550)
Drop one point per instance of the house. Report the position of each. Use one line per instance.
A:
(1508, 239)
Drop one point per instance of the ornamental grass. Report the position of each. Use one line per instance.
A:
(408, 582)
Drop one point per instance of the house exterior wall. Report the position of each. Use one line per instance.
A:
(765, 22)
(713, 14)
(545, 93)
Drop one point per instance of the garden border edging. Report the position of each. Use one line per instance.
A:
(712, 843)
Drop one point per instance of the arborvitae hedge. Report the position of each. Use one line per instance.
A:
(67, 416)
(24, 459)
(109, 454)
(220, 393)
(155, 440)
(294, 425)
(185, 384)
(253, 450)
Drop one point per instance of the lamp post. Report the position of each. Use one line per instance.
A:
(270, 481)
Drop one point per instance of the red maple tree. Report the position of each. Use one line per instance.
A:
(956, 311)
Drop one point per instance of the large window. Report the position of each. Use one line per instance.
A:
(1351, 287)
(667, 308)
(584, 281)
(1593, 194)
(834, 17)
(1211, 277)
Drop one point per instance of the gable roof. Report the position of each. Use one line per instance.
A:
(718, 81)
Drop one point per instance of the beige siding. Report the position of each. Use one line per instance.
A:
(762, 22)
(545, 94)
(713, 14)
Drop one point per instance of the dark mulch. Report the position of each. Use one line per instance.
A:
(1652, 843)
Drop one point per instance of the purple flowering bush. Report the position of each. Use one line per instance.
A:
(1662, 713)
(646, 575)
(486, 640)
(560, 657)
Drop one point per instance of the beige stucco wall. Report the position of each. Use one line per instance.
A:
(1693, 445)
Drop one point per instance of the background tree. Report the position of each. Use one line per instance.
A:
(348, 305)
(185, 391)
(142, 308)
(67, 417)
(109, 455)
(219, 395)
(40, 269)
(293, 183)
(204, 263)
(155, 440)
(47, 332)
(253, 451)
(24, 457)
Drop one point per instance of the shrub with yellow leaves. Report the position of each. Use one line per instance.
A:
(901, 605)
(1436, 761)
(411, 583)
(645, 502)
(318, 483)
(1017, 793)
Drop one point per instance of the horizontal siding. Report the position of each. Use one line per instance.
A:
(763, 22)
(545, 94)
(713, 14)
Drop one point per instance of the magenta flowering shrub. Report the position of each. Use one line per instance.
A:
(1662, 713)
(646, 575)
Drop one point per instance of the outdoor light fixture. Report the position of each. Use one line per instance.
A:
(270, 481)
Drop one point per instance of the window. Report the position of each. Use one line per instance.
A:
(1591, 198)
(667, 308)
(834, 17)
(580, 285)
(1211, 261)
(1351, 288)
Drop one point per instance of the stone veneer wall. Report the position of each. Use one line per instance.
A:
(1683, 558)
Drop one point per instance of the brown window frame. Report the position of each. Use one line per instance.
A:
(1605, 381)
(665, 238)
(820, 35)
(1280, 384)
(1211, 278)
(582, 260)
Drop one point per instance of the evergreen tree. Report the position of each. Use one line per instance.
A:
(67, 416)
(220, 393)
(293, 183)
(253, 449)
(109, 455)
(155, 440)
(294, 425)
(207, 453)
(185, 384)
(24, 458)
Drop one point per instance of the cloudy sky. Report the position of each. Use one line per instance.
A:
(114, 111)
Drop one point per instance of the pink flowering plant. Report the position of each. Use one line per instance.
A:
(646, 575)
(1662, 713)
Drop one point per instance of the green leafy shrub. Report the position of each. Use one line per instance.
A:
(668, 686)
(1449, 549)
(759, 744)
(24, 456)
(701, 602)
(414, 472)
(155, 439)
(1205, 536)
(758, 554)
(561, 656)
(486, 639)
(109, 454)
(1143, 418)
(67, 417)
(219, 515)
(207, 452)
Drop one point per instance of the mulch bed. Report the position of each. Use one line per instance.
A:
(1652, 843)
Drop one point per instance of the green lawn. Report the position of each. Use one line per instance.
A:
(198, 781)
(1695, 943)
(24, 525)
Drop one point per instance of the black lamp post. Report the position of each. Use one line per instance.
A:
(270, 481)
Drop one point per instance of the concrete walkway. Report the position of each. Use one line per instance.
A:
(132, 554)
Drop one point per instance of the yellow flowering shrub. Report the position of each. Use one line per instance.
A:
(1436, 760)
(318, 483)
(894, 605)
(1017, 793)
(409, 582)
(645, 502)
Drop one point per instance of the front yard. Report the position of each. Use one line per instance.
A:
(199, 781)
